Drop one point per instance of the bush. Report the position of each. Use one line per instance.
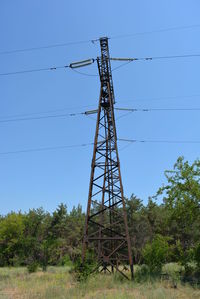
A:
(83, 270)
(155, 254)
(197, 255)
(66, 261)
(32, 267)
(142, 273)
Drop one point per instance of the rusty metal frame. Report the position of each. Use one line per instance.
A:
(106, 228)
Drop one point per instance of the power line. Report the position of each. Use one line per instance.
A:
(85, 74)
(123, 115)
(41, 149)
(44, 112)
(40, 117)
(131, 59)
(156, 109)
(66, 44)
(170, 57)
(71, 66)
(46, 47)
(158, 141)
(155, 31)
(129, 110)
(118, 67)
(115, 59)
(89, 106)
(46, 116)
(35, 70)
(163, 98)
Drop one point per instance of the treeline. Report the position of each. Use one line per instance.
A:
(168, 225)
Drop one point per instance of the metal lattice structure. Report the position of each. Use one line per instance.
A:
(106, 229)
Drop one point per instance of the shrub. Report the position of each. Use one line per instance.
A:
(155, 254)
(83, 270)
(197, 255)
(66, 261)
(142, 273)
(32, 267)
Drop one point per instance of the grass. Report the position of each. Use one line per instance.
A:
(58, 283)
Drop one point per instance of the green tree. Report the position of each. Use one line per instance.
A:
(11, 238)
(138, 224)
(155, 253)
(75, 226)
(197, 255)
(37, 242)
(181, 196)
(59, 234)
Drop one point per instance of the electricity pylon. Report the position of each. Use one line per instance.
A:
(106, 228)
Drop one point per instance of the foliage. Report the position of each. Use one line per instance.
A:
(36, 241)
(142, 273)
(39, 238)
(155, 254)
(66, 261)
(11, 238)
(32, 267)
(197, 255)
(58, 283)
(165, 230)
(182, 200)
(84, 269)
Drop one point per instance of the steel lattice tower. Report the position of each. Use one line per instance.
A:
(106, 229)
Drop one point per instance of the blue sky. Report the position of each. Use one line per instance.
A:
(30, 180)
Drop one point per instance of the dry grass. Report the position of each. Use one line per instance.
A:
(58, 283)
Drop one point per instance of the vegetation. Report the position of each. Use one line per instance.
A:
(155, 254)
(166, 230)
(38, 238)
(83, 270)
(59, 283)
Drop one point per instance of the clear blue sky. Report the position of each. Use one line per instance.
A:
(31, 180)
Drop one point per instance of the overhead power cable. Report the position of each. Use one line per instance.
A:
(46, 47)
(35, 70)
(156, 109)
(72, 43)
(64, 115)
(158, 141)
(121, 65)
(72, 65)
(40, 117)
(44, 112)
(85, 74)
(89, 106)
(92, 61)
(16, 119)
(130, 59)
(41, 149)
(155, 31)
(162, 98)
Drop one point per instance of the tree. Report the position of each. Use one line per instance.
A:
(75, 226)
(182, 200)
(138, 226)
(197, 255)
(11, 238)
(37, 243)
(58, 233)
(155, 253)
